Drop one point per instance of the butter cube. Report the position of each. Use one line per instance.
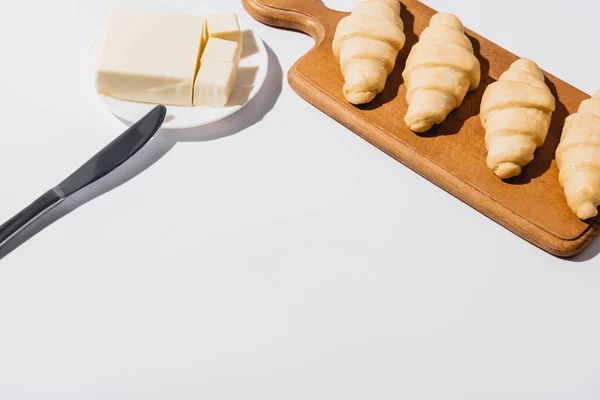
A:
(214, 83)
(149, 56)
(225, 26)
(221, 50)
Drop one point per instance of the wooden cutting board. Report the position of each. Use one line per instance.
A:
(452, 155)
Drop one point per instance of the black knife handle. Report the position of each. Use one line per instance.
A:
(29, 214)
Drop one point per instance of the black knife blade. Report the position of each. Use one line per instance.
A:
(108, 159)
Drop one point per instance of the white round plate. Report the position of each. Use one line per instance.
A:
(251, 76)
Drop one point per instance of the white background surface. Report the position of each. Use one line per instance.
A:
(290, 260)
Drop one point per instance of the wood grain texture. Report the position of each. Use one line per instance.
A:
(452, 155)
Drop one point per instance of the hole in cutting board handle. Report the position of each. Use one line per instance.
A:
(341, 5)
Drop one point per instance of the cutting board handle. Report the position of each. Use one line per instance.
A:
(309, 16)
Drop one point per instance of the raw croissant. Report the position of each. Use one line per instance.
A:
(366, 44)
(516, 112)
(441, 68)
(578, 159)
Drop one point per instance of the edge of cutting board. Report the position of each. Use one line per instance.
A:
(316, 20)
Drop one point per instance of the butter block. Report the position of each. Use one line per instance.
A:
(149, 56)
(221, 50)
(214, 83)
(225, 26)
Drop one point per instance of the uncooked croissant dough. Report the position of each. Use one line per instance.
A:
(440, 70)
(366, 44)
(516, 112)
(578, 159)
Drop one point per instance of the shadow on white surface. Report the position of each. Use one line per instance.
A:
(250, 47)
(161, 144)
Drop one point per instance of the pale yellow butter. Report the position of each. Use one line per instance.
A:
(221, 50)
(149, 56)
(225, 26)
(214, 83)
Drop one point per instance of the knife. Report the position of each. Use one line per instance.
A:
(107, 160)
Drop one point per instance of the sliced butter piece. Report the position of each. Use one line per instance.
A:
(225, 26)
(214, 83)
(221, 50)
(149, 56)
